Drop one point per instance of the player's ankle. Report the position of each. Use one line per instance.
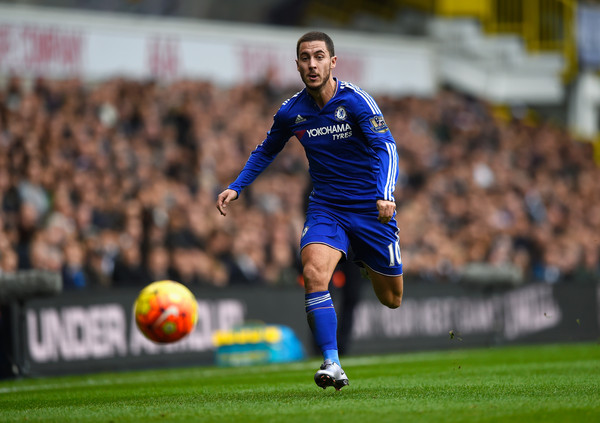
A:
(332, 355)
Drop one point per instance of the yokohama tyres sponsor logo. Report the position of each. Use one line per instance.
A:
(331, 129)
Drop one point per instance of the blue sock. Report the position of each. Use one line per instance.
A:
(323, 323)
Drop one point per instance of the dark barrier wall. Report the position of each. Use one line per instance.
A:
(85, 332)
(449, 316)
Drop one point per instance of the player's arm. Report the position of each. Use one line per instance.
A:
(259, 159)
(382, 142)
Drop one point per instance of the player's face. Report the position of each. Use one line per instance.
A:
(315, 64)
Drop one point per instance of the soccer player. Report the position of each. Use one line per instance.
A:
(354, 167)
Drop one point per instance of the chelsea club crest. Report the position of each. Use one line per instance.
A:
(340, 113)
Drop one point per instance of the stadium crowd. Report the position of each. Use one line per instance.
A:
(114, 184)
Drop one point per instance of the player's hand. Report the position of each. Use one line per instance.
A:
(224, 199)
(386, 210)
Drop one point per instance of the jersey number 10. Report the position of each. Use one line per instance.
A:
(395, 255)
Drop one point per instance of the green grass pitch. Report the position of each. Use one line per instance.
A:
(552, 383)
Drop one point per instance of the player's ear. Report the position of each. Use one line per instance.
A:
(333, 61)
(297, 65)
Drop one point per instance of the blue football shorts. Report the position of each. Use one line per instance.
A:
(372, 243)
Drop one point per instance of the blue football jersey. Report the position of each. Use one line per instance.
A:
(351, 153)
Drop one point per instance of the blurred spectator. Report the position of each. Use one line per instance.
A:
(8, 261)
(183, 268)
(129, 269)
(158, 263)
(73, 272)
(114, 185)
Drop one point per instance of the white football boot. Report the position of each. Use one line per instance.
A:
(331, 374)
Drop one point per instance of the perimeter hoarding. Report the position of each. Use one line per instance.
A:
(88, 332)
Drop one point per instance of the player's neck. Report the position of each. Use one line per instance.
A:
(324, 93)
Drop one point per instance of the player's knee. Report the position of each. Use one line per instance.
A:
(315, 279)
(389, 291)
(394, 301)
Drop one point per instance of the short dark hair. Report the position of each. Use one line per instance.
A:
(316, 36)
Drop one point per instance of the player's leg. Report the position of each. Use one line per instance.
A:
(323, 243)
(377, 246)
(387, 288)
(318, 263)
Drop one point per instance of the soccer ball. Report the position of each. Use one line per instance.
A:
(165, 311)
